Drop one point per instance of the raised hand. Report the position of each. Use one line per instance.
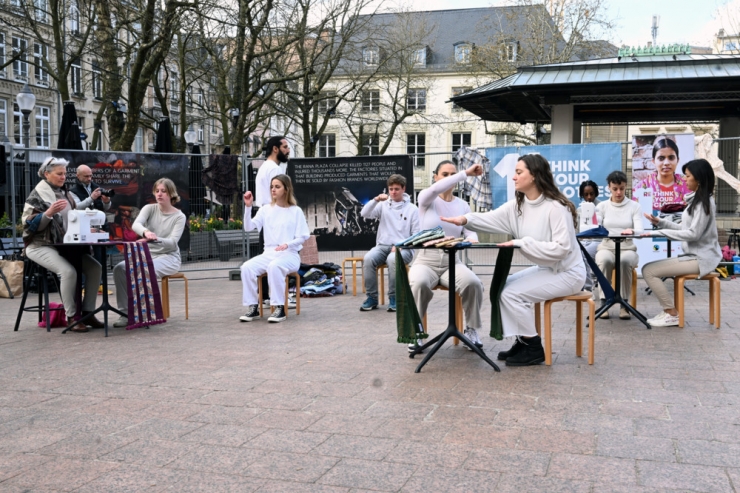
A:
(474, 170)
(654, 220)
(248, 199)
(55, 207)
(457, 221)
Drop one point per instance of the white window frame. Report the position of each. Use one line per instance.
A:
(456, 91)
(199, 97)
(174, 85)
(2, 55)
(371, 56)
(416, 143)
(3, 117)
(460, 137)
(327, 102)
(20, 65)
(139, 140)
(416, 100)
(214, 127)
(327, 145)
(40, 10)
(371, 145)
(371, 101)
(510, 52)
(43, 127)
(419, 57)
(200, 134)
(74, 19)
(76, 77)
(463, 52)
(17, 125)
(40, 53)
(97, 80)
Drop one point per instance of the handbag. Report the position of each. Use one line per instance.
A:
(12, 272)
(57, 316)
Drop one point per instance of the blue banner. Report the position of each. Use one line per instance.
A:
(571, 164)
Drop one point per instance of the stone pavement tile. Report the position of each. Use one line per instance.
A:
(445, 397)
(429, 454)
(693, 385)
(723, 433)
(348, 424)
(229, 435)
(666, 397)
(290, 467)
(508, 460)
(530, 419)
(61, 474)
(85, 446)
(279, 440)
(631, 488)
(711, 399)
(129, 478)
(10, 398)
(14, 464)
(117, 406)
(598, 423)
(383, 476)
(67, 403)
(709, 453)
(712, 415)
(511, 402)
(635, 409)
(312, 389)
(634, 383)
(240, 383)
(227, 398)
(671, 429)
(592, 468)
(483, 436)
(549, 440)
(272, 486)
(287, 402)
(382, 393)
(28, 384)
(28, 440)
(335, 405)
(217, 459)
(8, 414)
(150, 452)
(518, 482)
(286, 420)
(409, 410)
(734, 475)
(631, 447)
(197, 482)
(476, 415)
(356, 447)
(431, 381)
(161, 428)
(172, 410)
(451, 481)
(225, 415)
(679, 476)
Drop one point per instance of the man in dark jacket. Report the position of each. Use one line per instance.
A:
(86, 193)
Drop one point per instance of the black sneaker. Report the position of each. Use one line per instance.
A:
(531, 353)
(278, 315)
(503, 355)
(252, 312)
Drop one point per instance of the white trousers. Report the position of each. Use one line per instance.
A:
(431, 268)
(277, 265)
(534, 285)
(628, 260)
(164, 265)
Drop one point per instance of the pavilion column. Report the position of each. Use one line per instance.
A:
(562, 124)
(726, 196)
(576, 131)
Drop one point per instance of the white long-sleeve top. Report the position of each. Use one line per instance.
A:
(167, 227)
(618, 216)
(396, 220)
(544, 231)
(432, 207)
(268, 170)
(282, 225)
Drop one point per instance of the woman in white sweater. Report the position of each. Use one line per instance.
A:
(161, 225)
(698, 235)
(431, 267)
(619, 215)
(542, 222)
(285, 230)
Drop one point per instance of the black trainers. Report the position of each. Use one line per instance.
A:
(278, 314)
(503, 355)
(531, 353)
(252, 312)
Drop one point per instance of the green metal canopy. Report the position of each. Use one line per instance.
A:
(630, 88)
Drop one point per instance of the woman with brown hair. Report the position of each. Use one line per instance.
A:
(542, 222)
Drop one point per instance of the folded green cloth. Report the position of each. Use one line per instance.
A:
(500, 274)
(408, 321)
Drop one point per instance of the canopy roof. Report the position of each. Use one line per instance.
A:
(625, 89)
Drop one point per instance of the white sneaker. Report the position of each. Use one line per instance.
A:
(121, 322)
(291, 303)
(664, 319)
(413, 346)
(266, 303)
(472, 334)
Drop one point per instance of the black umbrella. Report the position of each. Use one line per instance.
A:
(164, 137)
(69, 117)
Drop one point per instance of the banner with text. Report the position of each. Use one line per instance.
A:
(131, 176)
(332, 192)
(571, 164)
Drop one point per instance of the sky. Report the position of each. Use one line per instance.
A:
(681, 21)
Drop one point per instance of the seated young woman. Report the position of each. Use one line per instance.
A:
(285, 230)
(698, 235)
(542, 221)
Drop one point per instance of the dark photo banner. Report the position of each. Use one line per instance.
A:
(332, 192)
(131, 176)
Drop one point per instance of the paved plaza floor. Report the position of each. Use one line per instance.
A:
(328, 402)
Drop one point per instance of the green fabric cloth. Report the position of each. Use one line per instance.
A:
(500, 274)
(408, 321)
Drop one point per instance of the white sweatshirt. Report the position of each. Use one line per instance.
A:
(282, 225)
(544, 231)
(432, 207)
(167, 227)
(268, 170)
(616, 217)
(396, 220)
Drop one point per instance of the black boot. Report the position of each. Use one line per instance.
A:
(518, 346)
(531, 353)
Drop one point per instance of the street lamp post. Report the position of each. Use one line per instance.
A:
(190, 136)
(26, 101)
(5, 142)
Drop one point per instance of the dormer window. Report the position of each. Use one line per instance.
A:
(509, 51)
(371, 55)
(419, 57)
(462, 52)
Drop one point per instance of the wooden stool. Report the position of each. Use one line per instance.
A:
(166, 293)
(579, 298)
(287, 287)
(714, 296)
(380, 272)
(458, 313)
(633, 294)
(354, 261)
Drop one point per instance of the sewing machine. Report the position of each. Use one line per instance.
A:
(80, 225)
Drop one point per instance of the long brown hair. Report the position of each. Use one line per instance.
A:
(288, 185)
(545, 183)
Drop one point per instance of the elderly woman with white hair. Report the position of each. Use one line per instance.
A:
(44, 224)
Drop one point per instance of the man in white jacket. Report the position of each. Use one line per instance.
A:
(398, 219)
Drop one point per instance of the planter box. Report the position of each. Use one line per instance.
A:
(202, 246)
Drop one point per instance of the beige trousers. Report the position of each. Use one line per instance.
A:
(653, 272)
(628, 260)
(431, 268)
